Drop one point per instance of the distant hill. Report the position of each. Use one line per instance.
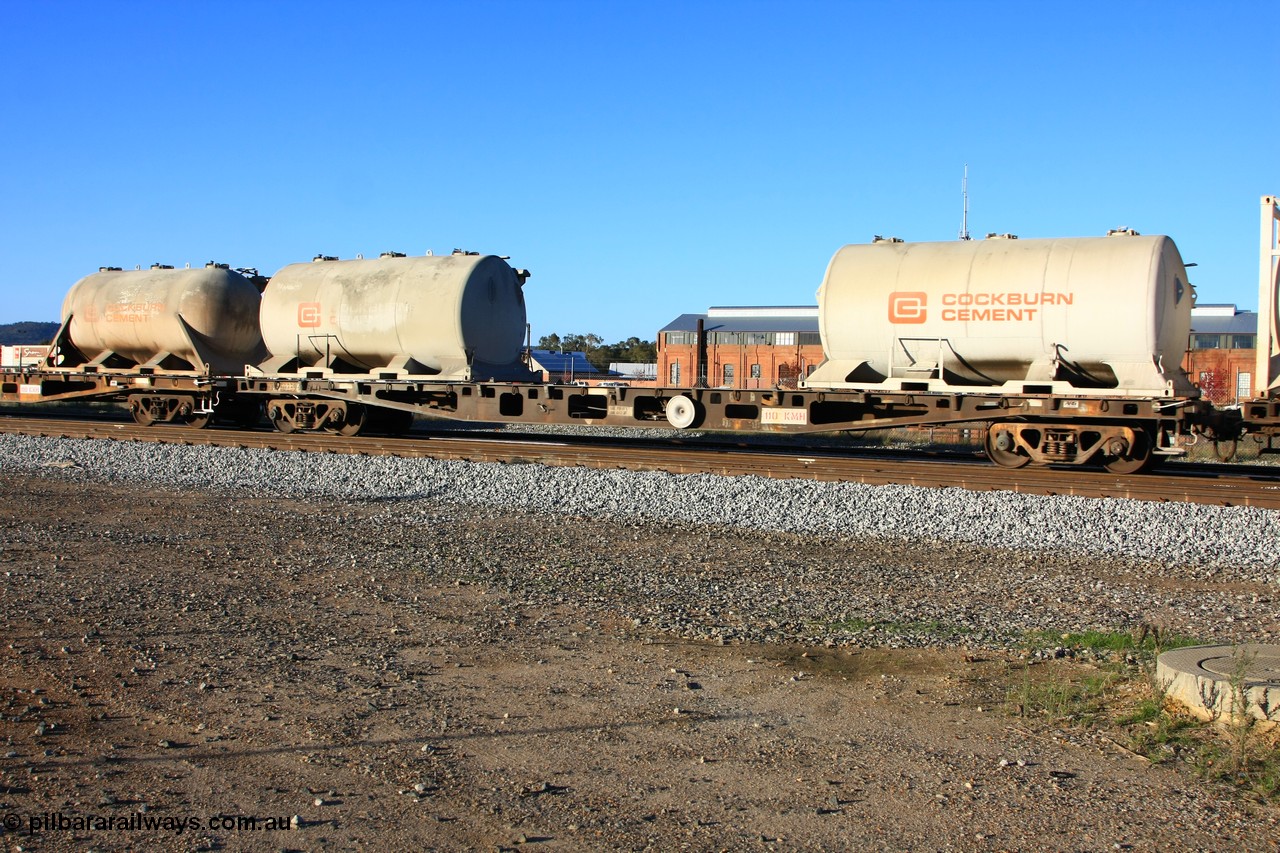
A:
(27, 333)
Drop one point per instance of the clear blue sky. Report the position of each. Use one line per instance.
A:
(642, 159)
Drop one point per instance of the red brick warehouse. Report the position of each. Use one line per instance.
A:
(741, 347)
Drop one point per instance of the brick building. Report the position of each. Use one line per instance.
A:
(740, 347)
(1221, 358)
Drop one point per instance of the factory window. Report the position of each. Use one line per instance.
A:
(728, 375)
(810, 338)
(726, 337)
(675, 373)
(785, 339)
(1204, 341)
(1244, 381)
(680, 338)
(755, 371)
(1242, 341)
(758, 338)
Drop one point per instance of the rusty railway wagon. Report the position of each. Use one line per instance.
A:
(1067, 351)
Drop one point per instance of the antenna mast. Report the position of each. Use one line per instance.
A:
(964, 192)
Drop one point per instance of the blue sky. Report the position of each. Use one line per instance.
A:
(642, 159)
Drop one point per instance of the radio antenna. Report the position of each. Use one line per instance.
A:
(964, 193)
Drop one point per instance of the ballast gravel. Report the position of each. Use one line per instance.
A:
(1244, 539)
(754, 559)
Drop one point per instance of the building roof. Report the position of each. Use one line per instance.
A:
(1223, 320)
(633, 368)
(554, 361)
(764, 318)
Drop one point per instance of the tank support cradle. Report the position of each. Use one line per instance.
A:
(1120, 449)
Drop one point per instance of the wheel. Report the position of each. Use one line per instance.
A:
(1225, 450)
(1133, 460)
(1003, 450)
(279, 420)
(141, 414)
(682, 412)
(349, 425)
(198, 420)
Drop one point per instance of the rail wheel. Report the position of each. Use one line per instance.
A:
(280, 420)
(1225, 450)
(350, 425)
(198, 420)
(141, 414)
(1122, 459)
(1003, 450)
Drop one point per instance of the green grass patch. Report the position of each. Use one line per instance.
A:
(930, 628)
(849, 626)
(1062, 696)
(1149, 641)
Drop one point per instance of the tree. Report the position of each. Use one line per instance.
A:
(600, 354)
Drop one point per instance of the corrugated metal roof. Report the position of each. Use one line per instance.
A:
(1240, 323)
(633, 368)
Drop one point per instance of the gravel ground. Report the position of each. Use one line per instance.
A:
(431, 674)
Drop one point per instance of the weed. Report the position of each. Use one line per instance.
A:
(852, 625)
(1145, 643)
(1062, 697)
(1240, 725)
(931, 628)
(1162, 736)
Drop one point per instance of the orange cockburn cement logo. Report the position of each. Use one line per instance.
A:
(908, 306)
(308, 315)
(1012, 306)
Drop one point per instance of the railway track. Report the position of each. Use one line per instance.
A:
(1257, 486)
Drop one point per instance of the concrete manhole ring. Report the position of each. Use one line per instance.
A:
(1223, 682)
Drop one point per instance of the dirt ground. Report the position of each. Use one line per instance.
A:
(175, 675)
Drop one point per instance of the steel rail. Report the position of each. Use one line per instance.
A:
(1252, 486)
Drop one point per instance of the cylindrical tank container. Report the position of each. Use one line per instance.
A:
(459, 316)
(1101, 313)
(188, 319)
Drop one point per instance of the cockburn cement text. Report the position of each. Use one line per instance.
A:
(998, 307)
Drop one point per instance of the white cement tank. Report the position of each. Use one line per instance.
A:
(457, 317)
(1110, 314)
(165, 319)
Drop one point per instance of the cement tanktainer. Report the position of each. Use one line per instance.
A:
(451, 317)
(203, 320)
(1111, 314)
